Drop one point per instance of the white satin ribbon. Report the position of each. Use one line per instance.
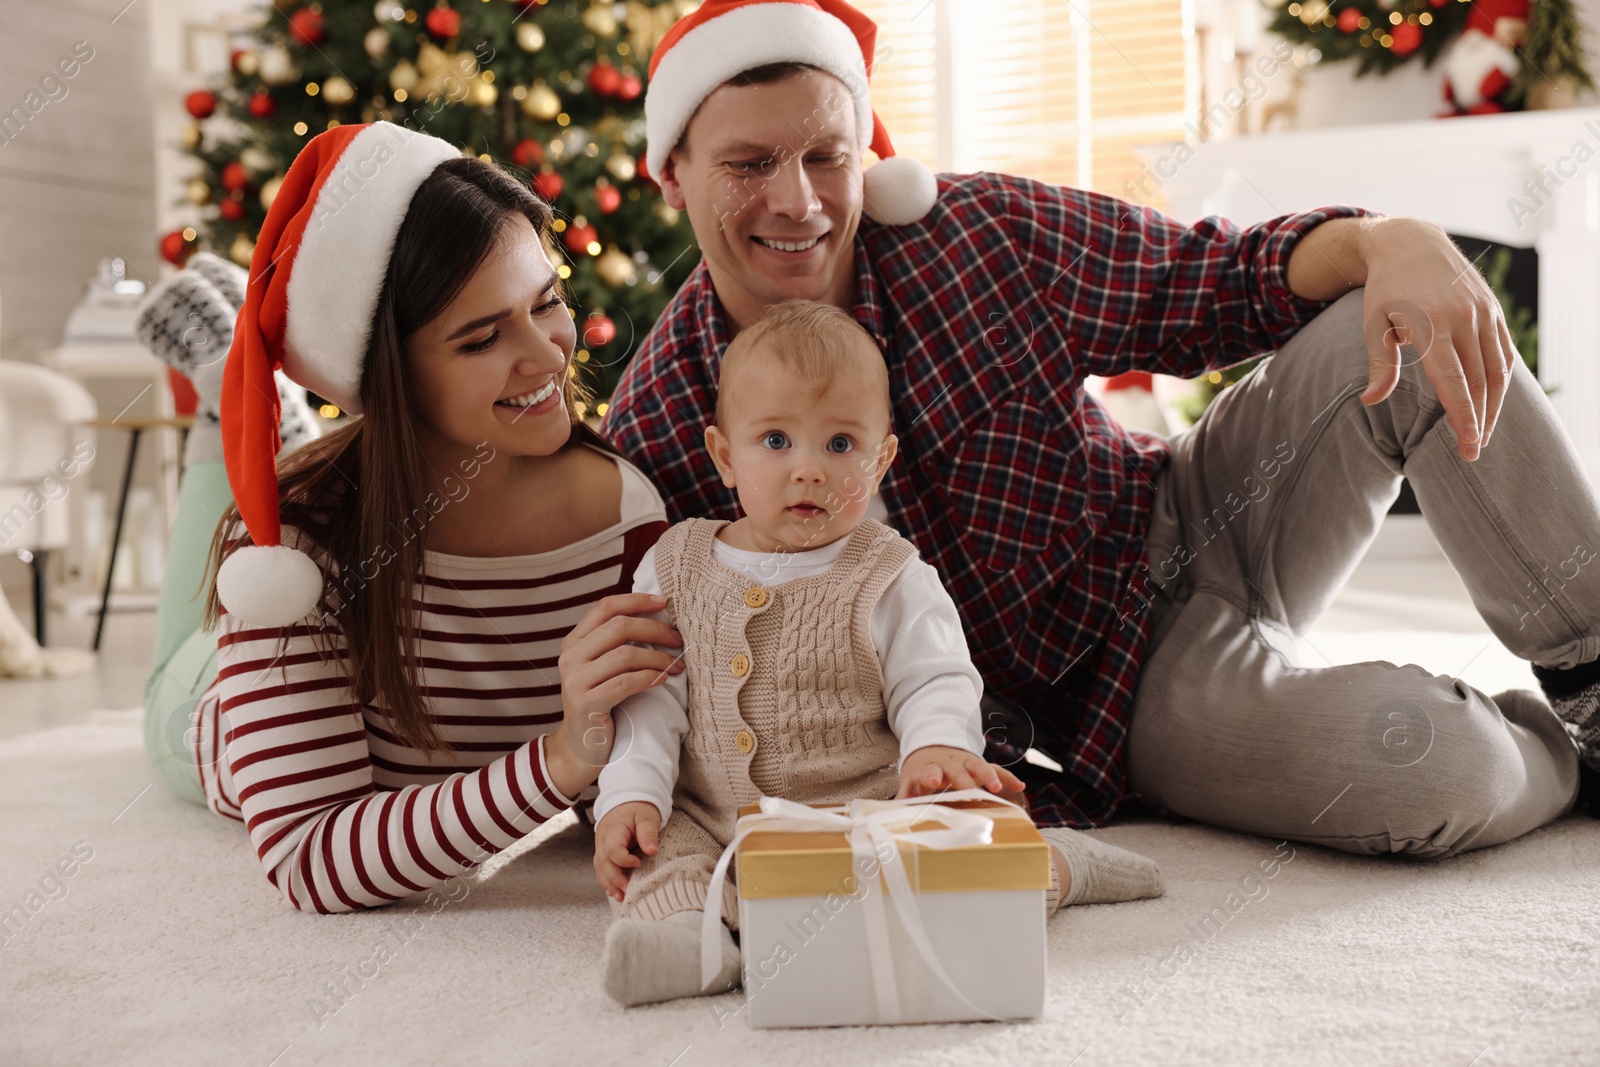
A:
(875, 830)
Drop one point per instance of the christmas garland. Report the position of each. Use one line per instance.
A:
(1379, 36)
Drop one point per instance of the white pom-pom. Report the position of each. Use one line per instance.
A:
(898, 191)
(269, 585)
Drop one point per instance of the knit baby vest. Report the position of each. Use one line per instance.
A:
(785, 688)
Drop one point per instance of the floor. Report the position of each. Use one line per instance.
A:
(163, 943)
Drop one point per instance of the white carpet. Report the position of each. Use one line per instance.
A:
(169, 947)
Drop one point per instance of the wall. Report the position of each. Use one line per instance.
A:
(76, 179)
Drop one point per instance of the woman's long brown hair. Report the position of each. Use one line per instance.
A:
(350, 492)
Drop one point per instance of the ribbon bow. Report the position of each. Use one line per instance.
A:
(875, 829)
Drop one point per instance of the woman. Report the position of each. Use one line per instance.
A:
(441, 680)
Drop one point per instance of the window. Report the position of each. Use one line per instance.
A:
(1060, 90)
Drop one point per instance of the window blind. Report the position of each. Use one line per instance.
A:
(1060, 90)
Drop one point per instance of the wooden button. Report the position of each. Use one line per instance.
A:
(755, 596)
(745, 742)
(740, 665)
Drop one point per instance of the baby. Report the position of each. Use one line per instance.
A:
(820, 652)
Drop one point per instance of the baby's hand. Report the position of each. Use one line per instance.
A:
(934, 768)
(634, 822)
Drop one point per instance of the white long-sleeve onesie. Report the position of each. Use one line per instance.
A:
(930, 688)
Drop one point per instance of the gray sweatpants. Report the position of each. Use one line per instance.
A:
(1267, 506)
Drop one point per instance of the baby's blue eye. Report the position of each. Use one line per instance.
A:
(839, 443)
(774, 439)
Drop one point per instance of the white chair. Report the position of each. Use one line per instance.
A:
(46, 450)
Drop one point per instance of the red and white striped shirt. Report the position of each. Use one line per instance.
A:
(345, 816)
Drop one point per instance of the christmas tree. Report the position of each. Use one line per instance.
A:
(1379, 35)
(1553, 56)
(552, 90)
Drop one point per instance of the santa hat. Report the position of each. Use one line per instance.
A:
(315, 276)
(722, 39)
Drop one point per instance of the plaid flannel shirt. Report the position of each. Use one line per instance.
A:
(1032, 502)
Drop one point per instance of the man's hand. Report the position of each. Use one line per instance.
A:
(934, 768)
(1421, 291)
(635, 822)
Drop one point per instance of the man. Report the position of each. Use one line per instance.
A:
(1135, 603)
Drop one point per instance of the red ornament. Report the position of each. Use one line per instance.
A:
(642, 172)
(608, 197)
(1350, 20)
(527, 153)
(630, 88)
(201, 104)
(599, 330)
(261, 105)
(547, 183)
(605, 79)
(306, 27)
(175, 249)
(235, 178)
(579, 238)
(232, 210)
(443, 22)
(1407, 38)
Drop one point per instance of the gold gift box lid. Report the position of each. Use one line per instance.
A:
(815, 863)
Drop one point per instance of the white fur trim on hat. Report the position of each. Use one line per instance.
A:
(269, 585)
(740, 40)
(338, 270)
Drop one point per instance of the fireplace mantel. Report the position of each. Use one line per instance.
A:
(1530, 179)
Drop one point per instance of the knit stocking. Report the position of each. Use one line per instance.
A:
(648, 960)
(186, 321)
(1101, 873)
(228, 277)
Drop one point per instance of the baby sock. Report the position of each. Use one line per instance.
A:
(649, 960)
(1101, 873)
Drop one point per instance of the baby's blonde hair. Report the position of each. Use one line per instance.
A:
(814, 340)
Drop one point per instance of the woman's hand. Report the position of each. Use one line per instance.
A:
(600, 667)
(633, 822)
(934, 768)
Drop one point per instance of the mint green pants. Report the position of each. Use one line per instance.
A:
(185, 655)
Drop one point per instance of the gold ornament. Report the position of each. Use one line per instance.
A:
(257, 159)
(599, 20)
(481, 94)
(376, 42)
(269, 190)
(431, 59)
(614, 267)
(666, 213)
(541, 103)
(248, 63)
(620, 166)
(338, 91)
(190, 139)
(241, 250)
(1312, 11)
(530, 38)
(647, 25)
(278, 67)
(403, 76)
(199, 192)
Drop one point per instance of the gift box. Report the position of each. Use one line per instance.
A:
(887, 911)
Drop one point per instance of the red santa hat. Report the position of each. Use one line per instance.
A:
(315, 277)
(724, 38)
